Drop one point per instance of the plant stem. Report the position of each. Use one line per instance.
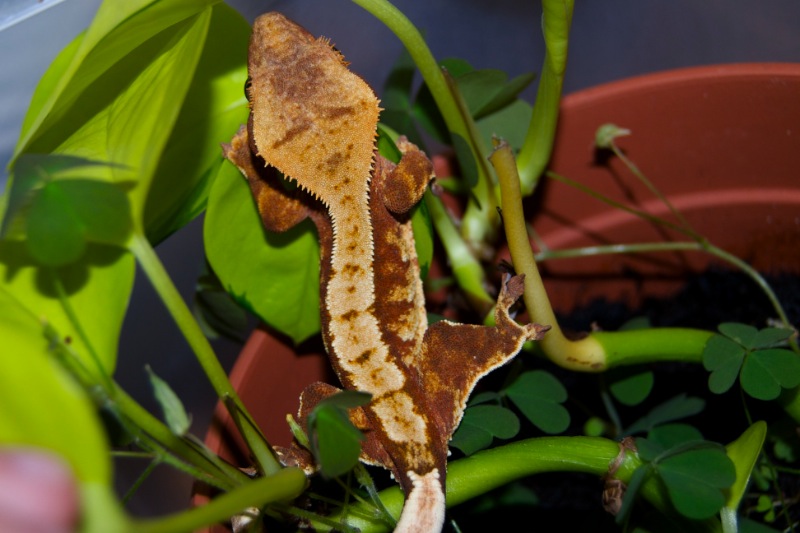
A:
(649, 184)
(185, 321)
(584, 354)
(489, 469)
(63, 299)
(538, 144)
(142, 419)
(286, 484)
(652, 345)
(476, 227)
(468, 271)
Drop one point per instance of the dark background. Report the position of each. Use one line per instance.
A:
(611, 39)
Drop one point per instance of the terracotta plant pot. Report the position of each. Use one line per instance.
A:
(722, 142)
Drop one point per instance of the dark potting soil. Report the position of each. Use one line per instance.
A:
(572, 502)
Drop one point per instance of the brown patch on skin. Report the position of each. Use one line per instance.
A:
(300, 88)
(351, 270)
(364, 357)
(350, 315)
(315, 121)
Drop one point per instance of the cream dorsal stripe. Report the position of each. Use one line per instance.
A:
(315, 121)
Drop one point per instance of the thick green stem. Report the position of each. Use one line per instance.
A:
(584, 354)
(183, 317)
(538, 144)
(284, 485)
(487, 470)
(467, 270)
(652, 345)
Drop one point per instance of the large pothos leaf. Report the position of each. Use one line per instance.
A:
(192, 153)
(130, 110)
(42, 407)
(276, 276)
(117, 30)
(113, 97)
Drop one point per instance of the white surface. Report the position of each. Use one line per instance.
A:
(27, 46)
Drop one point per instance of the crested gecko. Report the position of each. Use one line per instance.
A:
(315, 122)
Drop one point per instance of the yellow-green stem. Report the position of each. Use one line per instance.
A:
(584, 354)
(284, 485)
(184, 318)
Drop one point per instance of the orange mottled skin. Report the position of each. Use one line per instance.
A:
(315, 121)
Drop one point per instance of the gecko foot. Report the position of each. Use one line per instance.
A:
(510, 291)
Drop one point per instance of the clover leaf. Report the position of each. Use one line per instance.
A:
(335, 441)
(751, 354)
(481, 423)
(539, 395)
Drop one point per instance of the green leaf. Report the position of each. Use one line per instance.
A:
(97, 286)
(117, 33)
(55, 233)
(127, 114)
(488, 90)
(426, 113)
(42, 407)
(481, 424)
(681, 406)
(58, 209)
(630, 386)
(485, 397)
(723, 357)
(539, 395)
(191, 157)
(470, 439)
(766, 371)
(649, 449)
(335, 442)
(347, 399)
(469, 167)
(744, 453)
(510, 123)
(671, 435)
(398, 112)
(174, 413)
(275, 276)
(386, 143)
(740, 333)
(422, 226)
(695, 480)
(770, 337)
(216, 311)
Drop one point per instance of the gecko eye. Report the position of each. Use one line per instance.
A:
(247, 88)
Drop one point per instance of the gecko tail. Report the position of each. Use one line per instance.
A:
(424, 507)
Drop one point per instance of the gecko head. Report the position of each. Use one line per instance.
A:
(311, 117)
